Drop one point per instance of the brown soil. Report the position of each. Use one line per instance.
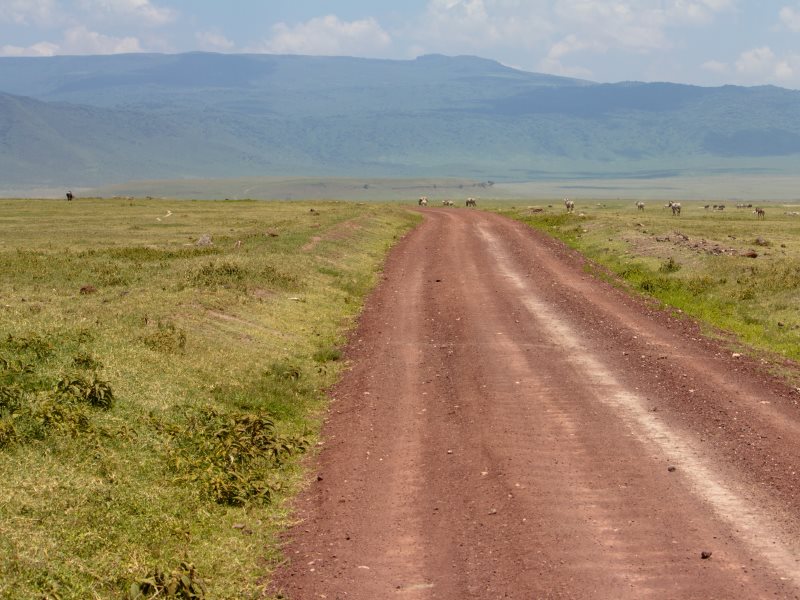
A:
(513, 428)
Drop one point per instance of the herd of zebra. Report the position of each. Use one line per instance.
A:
(570, 206)
(423, 201)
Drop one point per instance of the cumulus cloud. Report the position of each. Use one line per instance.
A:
(40, 49)
(143, 11)
(762, 64)
(77, 40)
(559, 34)
(715, 66)
(553, 62)
(210, 40)
(472, 25)
(80, 40)
(790, 17)
(636, 25)
(328, 35)
(27, 12)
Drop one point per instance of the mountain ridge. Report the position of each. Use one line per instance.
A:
(104, 119)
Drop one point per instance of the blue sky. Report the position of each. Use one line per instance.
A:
(705, 42)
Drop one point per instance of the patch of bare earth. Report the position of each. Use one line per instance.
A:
(513, 428)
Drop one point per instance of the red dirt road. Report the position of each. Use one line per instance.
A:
(513, 428)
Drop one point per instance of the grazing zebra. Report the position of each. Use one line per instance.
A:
(676, 208)
(760, 213)
(471, 202)
(448, 203)
(423, 201)
(570, 204)
(640, 205)
(69, 196)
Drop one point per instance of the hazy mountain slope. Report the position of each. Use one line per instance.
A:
(97, 119)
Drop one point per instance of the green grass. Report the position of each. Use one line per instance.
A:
(155, 395)
(696, 262)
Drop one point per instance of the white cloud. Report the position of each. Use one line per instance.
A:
(790, 17)
(715, 66)
(80, 40)
(763, 65)
(210, 40)
(77, 40)
(758, 61)
(553, 62)
(328, 36)
(473, 25)
(27, 12)
(699, 12)
(40, 49)
(140, 10)
(636, 25)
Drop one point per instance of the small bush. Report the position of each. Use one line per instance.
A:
(279, 279)
(231, 455)
(218, 274)
(8, 430)
(91, 391)
(86, 361)
(284, 371)
(32, 344)
(327, 355)
(699, 285)
(669, 266)
(56, 414)
(180, 583)
(167, 338)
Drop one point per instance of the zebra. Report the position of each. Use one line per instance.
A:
(570, 204)
(676, 208)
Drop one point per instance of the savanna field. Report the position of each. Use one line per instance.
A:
(163, 363)
(730, 269)
(155, 393)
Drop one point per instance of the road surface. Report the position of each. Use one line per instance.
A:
(513, 427)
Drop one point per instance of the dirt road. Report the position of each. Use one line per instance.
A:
(514, 428)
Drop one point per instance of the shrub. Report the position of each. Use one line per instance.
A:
(327, 355)
(218, 274)
(167, 338)
(180, 583)
(669, 266)
(91, 391)
(230, 455)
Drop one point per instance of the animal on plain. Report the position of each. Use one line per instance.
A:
(448, 203)
(569, 204)
(423, 201)
(676, 208)
(69, 196)
(471, 202)
(760, 213)
(640, 205)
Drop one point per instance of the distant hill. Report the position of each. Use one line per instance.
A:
(91, 120)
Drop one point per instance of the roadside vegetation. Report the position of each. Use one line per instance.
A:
(727, 268)
(162, 368)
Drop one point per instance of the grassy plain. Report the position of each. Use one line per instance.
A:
(155, 393)
(697, 262)
(729, 187)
